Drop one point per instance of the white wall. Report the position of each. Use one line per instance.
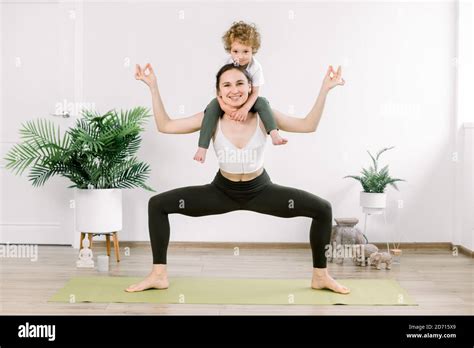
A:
(464, 235)
(464, 129)
(399, 65)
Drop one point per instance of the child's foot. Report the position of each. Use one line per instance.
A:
(200, 155)
(277, 139)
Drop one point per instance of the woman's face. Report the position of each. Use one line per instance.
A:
(234, 88)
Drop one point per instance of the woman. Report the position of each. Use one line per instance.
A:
(242, 182)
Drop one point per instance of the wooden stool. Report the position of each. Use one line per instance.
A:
(107, 242)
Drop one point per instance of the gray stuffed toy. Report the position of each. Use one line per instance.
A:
(376, 259)
(362, 253)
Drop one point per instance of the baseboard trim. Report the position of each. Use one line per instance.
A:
(265, 245)
(463, 250)
(429, 246)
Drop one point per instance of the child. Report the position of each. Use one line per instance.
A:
(242, 41)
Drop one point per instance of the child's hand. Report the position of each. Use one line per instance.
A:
(140, 74)
(241, 114)
(333, 78)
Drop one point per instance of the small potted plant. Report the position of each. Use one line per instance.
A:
(373, 199)
(97, 155)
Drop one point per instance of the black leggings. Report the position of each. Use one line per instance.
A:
(223, 195)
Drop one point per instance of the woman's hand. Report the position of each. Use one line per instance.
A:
(333, 78)
(141, 74)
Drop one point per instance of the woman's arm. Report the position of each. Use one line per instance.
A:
(302, 125)
(167, 125)
(164, 123)
(311, 121)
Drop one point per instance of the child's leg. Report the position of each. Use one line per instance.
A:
(211, 115)
(262, 106)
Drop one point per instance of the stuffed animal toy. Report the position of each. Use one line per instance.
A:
(376, 259)
(362, 253)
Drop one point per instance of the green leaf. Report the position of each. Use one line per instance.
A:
(99, 150)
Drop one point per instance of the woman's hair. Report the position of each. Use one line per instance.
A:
(228, 67)
(245, 33)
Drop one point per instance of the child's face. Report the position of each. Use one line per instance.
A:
(241, 53)
(234, 88)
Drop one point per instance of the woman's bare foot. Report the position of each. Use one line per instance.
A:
(322, 280)
(200, 155)
(277, 139)
(157, 279)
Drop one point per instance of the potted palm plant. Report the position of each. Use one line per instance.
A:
(373, 199)
(97, 155)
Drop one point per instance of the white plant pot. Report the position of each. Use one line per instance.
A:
(373, 203)
(98, 210)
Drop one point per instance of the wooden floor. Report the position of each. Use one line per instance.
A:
(438, 281)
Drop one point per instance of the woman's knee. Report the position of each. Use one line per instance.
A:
(324, 209)
(155, 203)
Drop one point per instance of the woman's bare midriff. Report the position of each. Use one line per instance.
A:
(241, 177)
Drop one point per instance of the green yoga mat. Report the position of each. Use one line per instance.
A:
(234, 291)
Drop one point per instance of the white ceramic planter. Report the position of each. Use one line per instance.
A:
(373, 202)
(98, 210)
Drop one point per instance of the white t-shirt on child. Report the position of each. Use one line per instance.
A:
(255, 70)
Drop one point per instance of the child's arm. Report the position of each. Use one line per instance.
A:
(241, 114)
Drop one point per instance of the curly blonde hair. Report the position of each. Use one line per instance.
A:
(245, 33)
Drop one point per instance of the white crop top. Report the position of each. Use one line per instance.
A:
(240, 161)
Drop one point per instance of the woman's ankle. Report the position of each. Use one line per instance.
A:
(159, 269)
(274, 132)
(320, 272)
